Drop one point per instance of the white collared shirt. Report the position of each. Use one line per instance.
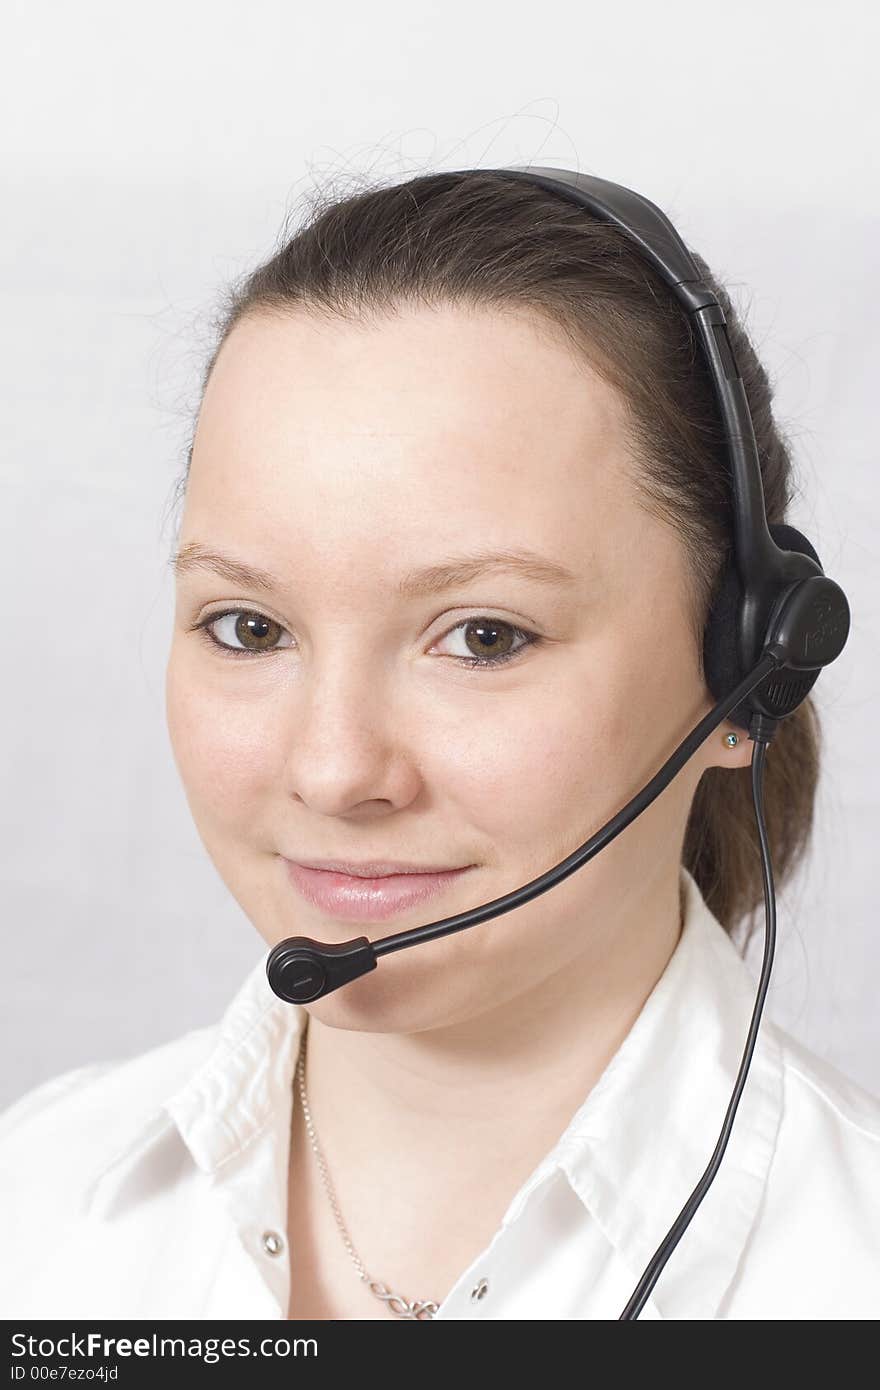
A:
(156, 1187)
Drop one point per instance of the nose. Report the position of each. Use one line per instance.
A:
(347, 744)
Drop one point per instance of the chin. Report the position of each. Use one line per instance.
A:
(400, 996)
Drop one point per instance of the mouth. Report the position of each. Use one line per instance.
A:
(374, 868)
(368, 897)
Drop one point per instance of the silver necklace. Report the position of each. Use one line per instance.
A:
(403, 1307)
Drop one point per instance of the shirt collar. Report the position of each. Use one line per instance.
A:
(644, 1136)
(239, 1090)
(633, 1151)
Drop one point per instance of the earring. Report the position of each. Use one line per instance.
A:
(731, 740)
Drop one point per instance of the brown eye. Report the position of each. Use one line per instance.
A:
(489, 641)
(251, 633)
(487, 638)
(253, 628)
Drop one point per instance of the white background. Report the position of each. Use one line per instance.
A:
(148, 155)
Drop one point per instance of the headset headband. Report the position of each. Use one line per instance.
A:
(767, 560)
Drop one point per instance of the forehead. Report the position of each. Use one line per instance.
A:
(481, 378)
(437, 425)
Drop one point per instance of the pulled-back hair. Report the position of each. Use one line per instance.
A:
(479, 239)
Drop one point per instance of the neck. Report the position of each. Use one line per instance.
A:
(467, 1104)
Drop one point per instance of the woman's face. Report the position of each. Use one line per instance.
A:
(344, 460)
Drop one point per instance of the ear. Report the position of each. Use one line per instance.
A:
(718, 754)
(715, 752)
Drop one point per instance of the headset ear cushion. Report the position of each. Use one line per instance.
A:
(789, 538)
(721, 663)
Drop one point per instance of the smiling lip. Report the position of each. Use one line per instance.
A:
(358, 898)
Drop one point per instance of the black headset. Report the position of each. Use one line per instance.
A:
(775, 621)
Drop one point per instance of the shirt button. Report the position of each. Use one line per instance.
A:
(272, 1243)
(479, 1290)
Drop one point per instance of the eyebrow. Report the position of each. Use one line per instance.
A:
(432, 579)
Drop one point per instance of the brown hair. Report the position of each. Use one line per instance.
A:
(481, 239)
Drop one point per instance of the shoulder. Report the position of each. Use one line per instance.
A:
(67, 1127)
(830, 1136)
(833, 1120)
(815, 1247)
(56, 1142)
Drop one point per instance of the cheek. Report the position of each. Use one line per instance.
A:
(530, 759)
(548, 766)
(226, 758)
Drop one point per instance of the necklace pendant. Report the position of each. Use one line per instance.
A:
(418, 1309)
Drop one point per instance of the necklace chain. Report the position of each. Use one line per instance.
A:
(418, 1309)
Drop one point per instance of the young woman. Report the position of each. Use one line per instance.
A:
(452, 518)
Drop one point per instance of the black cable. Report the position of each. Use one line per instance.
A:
(771, 659)
(762, 731)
